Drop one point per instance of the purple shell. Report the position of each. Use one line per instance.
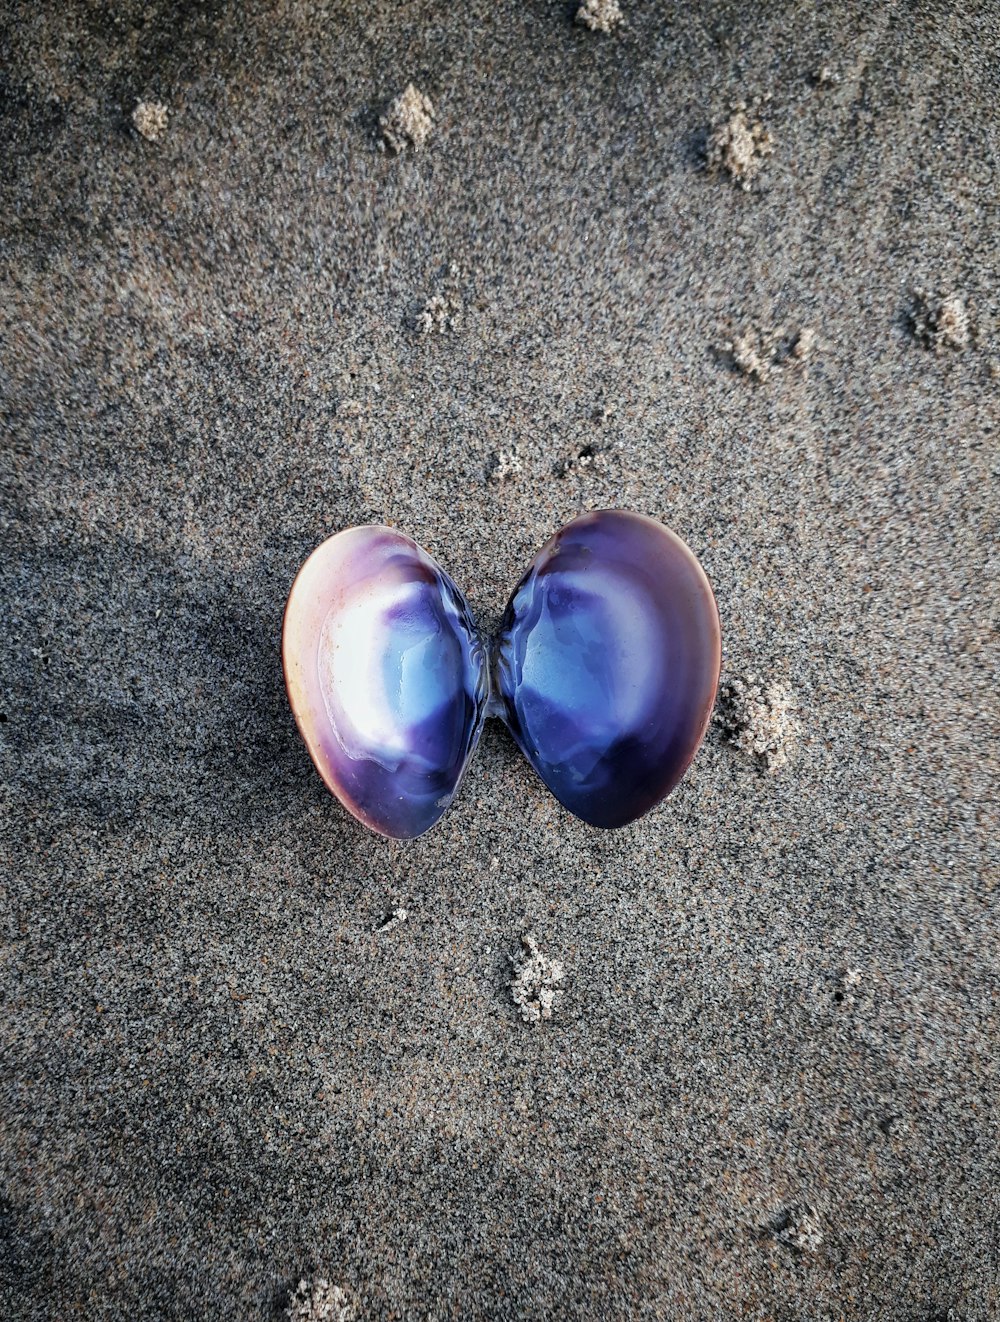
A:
(608, 662)
(604, 670)
(386, 675)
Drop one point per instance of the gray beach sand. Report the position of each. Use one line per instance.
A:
(769, 1088)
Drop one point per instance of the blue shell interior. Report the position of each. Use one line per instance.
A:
(425, 703)
(604, 669)
(607, 664)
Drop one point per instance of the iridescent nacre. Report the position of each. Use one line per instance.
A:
(607, 664)
(386, 675)
(605, 670)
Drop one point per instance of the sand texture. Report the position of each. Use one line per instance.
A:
(769, 1084)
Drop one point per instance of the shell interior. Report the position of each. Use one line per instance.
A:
(604, 669)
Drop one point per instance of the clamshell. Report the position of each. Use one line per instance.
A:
(604, 669)
(608, 664)
(386, 675)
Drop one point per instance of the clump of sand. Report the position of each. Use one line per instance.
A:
(760, 719)
(583, 462)
(800, 1229)
(751, 354)
(505, 464)
(437, 313)
(393, 920)
(317, 1300)
(150, 119)
(599, 15)
(941, 323)
(850, 982)
(755, 352)
(740, 145)
(409, 120)
(535, 984)
(442, 311)
(825, 76)
(804, 343)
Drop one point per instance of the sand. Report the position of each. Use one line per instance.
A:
(769, 1087)
(739, 145)
(408, 121)
(150, 118)
(599, 15)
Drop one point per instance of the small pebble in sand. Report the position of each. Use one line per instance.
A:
(941, 323)
(759, 719)
(535, 984)
(150, 119)
(599, 15)
(800, 1229)
(740, 146)
(318, 1301)
(409, 119)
